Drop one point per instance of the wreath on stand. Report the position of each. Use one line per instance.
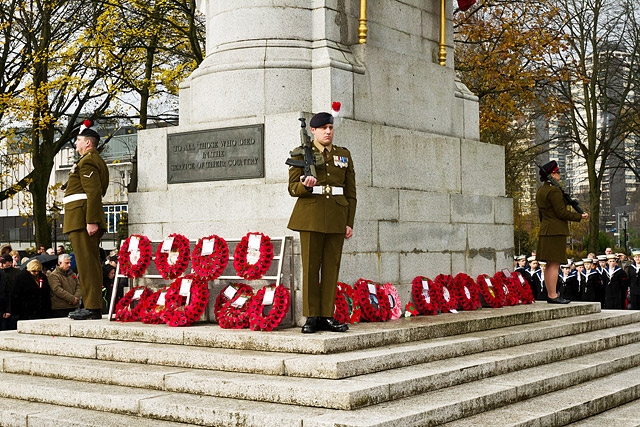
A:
(173, 263)
(511, 294)
(424, 295)
(210, 266)
(347, 310)
(395, 305)
(254, 268)
(466, 291)
(263, 319)
(233, 313)
(154, 306)
(185, 306)
(134, 264)
(524, 290)
(491, 295)
(131, 305)
(375, 306)
(447, 299)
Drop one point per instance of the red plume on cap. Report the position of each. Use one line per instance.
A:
(335, 109)
(85, 124)
(465, 4)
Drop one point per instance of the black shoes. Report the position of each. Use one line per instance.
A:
(314, 324)
(558, 300)
(310, 326)
(332, 325)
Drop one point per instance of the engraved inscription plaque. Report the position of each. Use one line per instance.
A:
(216, 154)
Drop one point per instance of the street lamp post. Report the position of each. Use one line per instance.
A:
(55, 212)
(625, 219)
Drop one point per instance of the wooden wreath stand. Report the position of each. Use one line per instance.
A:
(280, 273)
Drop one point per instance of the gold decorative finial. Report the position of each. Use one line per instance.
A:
(442, 51)
(362, 28)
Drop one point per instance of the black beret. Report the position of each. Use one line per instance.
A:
(6, 258)
(320, 120)
(91, 133)
(547, 169)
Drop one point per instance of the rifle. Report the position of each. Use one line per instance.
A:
(567, 198)
(306, 150)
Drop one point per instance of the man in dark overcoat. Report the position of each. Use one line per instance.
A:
(324, 215)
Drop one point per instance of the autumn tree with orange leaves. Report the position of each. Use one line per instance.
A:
(499, 52)
(573, 63)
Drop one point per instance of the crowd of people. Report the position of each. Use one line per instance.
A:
(612, 279)
(31, 289)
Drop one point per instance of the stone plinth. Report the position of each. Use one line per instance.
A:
(431, 197)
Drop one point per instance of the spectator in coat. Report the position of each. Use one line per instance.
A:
(32, 294)
(65, 288)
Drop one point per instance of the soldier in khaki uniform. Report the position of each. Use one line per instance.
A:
(324, 215)
(554, 229)
(84, 219)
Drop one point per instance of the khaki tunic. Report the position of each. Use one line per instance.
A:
(322, 213)
(89, 176)
(554, 224)
(322, 221)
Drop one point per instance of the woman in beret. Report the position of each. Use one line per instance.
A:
(554, 228)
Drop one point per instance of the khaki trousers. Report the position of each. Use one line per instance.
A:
(87, 253)
(321, 255)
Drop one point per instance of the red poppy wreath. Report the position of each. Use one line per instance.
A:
(373, 300)
(444, 290)
(185, 301)
(511, 292)
(491, 295)
(234, 311)
(134, 258)
(210, 265)
(395, 305)
(131, 305)
(154, 305)
(424, 295)
(347, 309)
(526, 295)
(466, 291)
(172, 262)
(268, 308)
(255, 266)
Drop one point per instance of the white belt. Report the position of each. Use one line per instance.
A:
(328, 190)
(73, 198)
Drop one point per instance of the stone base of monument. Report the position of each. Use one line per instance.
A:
(525, 365)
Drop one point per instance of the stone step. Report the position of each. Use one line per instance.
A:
(17, 413)
(594, 372)
(351, 393)
(602, 402)
(627, 415)
(332, 366)
(362, 336)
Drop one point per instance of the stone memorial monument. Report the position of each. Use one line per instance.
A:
(431, 196)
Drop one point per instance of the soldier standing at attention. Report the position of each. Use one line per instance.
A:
(324, 215)
(554, 228)
(84, 217)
